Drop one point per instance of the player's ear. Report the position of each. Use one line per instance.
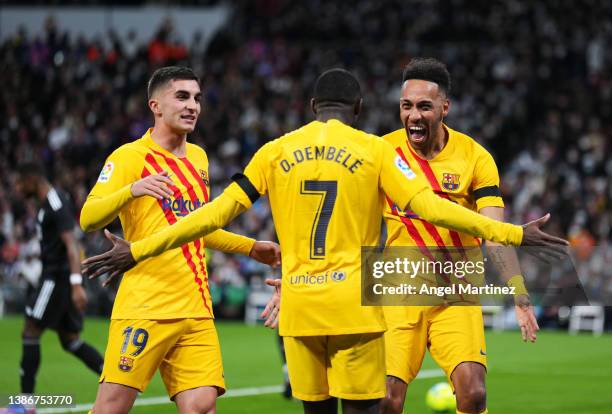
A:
(357, 109)
(445, 107)
(154, 106)
(313, 106)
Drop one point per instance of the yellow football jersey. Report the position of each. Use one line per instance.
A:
(175, 283)
(463, 172)
(325, 182)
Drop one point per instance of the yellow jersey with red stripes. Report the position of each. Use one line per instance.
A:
(175, 283)
(326, 183)
(463, 172)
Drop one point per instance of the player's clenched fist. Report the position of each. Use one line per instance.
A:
(157, 186)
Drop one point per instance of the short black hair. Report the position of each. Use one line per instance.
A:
(337, 86)
(168, 73)
(428, 69)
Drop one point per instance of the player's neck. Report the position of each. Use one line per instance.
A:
(340, 115)
(433, 147)
(169, 140)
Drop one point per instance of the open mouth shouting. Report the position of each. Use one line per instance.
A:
(418, 133)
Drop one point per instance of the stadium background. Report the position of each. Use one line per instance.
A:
(531, 81)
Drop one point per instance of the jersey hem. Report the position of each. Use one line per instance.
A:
(162, 317)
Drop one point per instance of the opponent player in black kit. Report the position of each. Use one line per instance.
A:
(60, 300)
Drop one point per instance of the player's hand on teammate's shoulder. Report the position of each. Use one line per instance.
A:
(79, 297)
(266, 252)
(113, 262)
(157, 186)
(271, 312)
(545, 246)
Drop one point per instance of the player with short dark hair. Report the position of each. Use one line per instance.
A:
(162, 316)
(431, 70)
(169, 73)
(326, 183)
(59, 301)
(337, 88)
(457, 168)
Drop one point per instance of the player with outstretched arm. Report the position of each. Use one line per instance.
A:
(321, 180)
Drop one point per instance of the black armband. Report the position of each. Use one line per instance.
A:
(491, 191)
(247, 186)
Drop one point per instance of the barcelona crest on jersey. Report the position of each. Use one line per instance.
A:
(126, 364)
(204, 177)
(450, 181)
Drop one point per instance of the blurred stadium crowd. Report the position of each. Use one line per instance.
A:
(531, 82)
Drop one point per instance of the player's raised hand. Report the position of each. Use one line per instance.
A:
(157, 186)
(549, 247)
(526, 319)
(114, 262)
(271, 312)
(266, 252)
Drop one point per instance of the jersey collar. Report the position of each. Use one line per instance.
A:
(148, 140)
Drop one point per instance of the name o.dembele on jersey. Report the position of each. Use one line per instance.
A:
(341, 156)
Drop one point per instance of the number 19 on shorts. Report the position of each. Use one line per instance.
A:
(138, 338)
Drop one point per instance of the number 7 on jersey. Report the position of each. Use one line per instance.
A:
(327, 190)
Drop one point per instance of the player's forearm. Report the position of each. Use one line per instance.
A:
(444, 213)
(201, 222)
(74, 261)
(506, 262)
(97, 212)
(229, 242)
(503, 257)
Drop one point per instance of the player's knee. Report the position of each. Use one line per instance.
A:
(393, 404)
(30, 330)
(478, 396)
(114, 399)
(197, 401)
(70, 344)
(111, 404)
(474, 397)
(199, 406)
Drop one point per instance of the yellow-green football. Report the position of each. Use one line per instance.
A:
(440, 398)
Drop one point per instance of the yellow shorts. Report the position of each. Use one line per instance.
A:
(453, 334)
(343, 366)
(186, 351)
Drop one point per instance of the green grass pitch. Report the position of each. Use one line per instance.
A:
(559, 374)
